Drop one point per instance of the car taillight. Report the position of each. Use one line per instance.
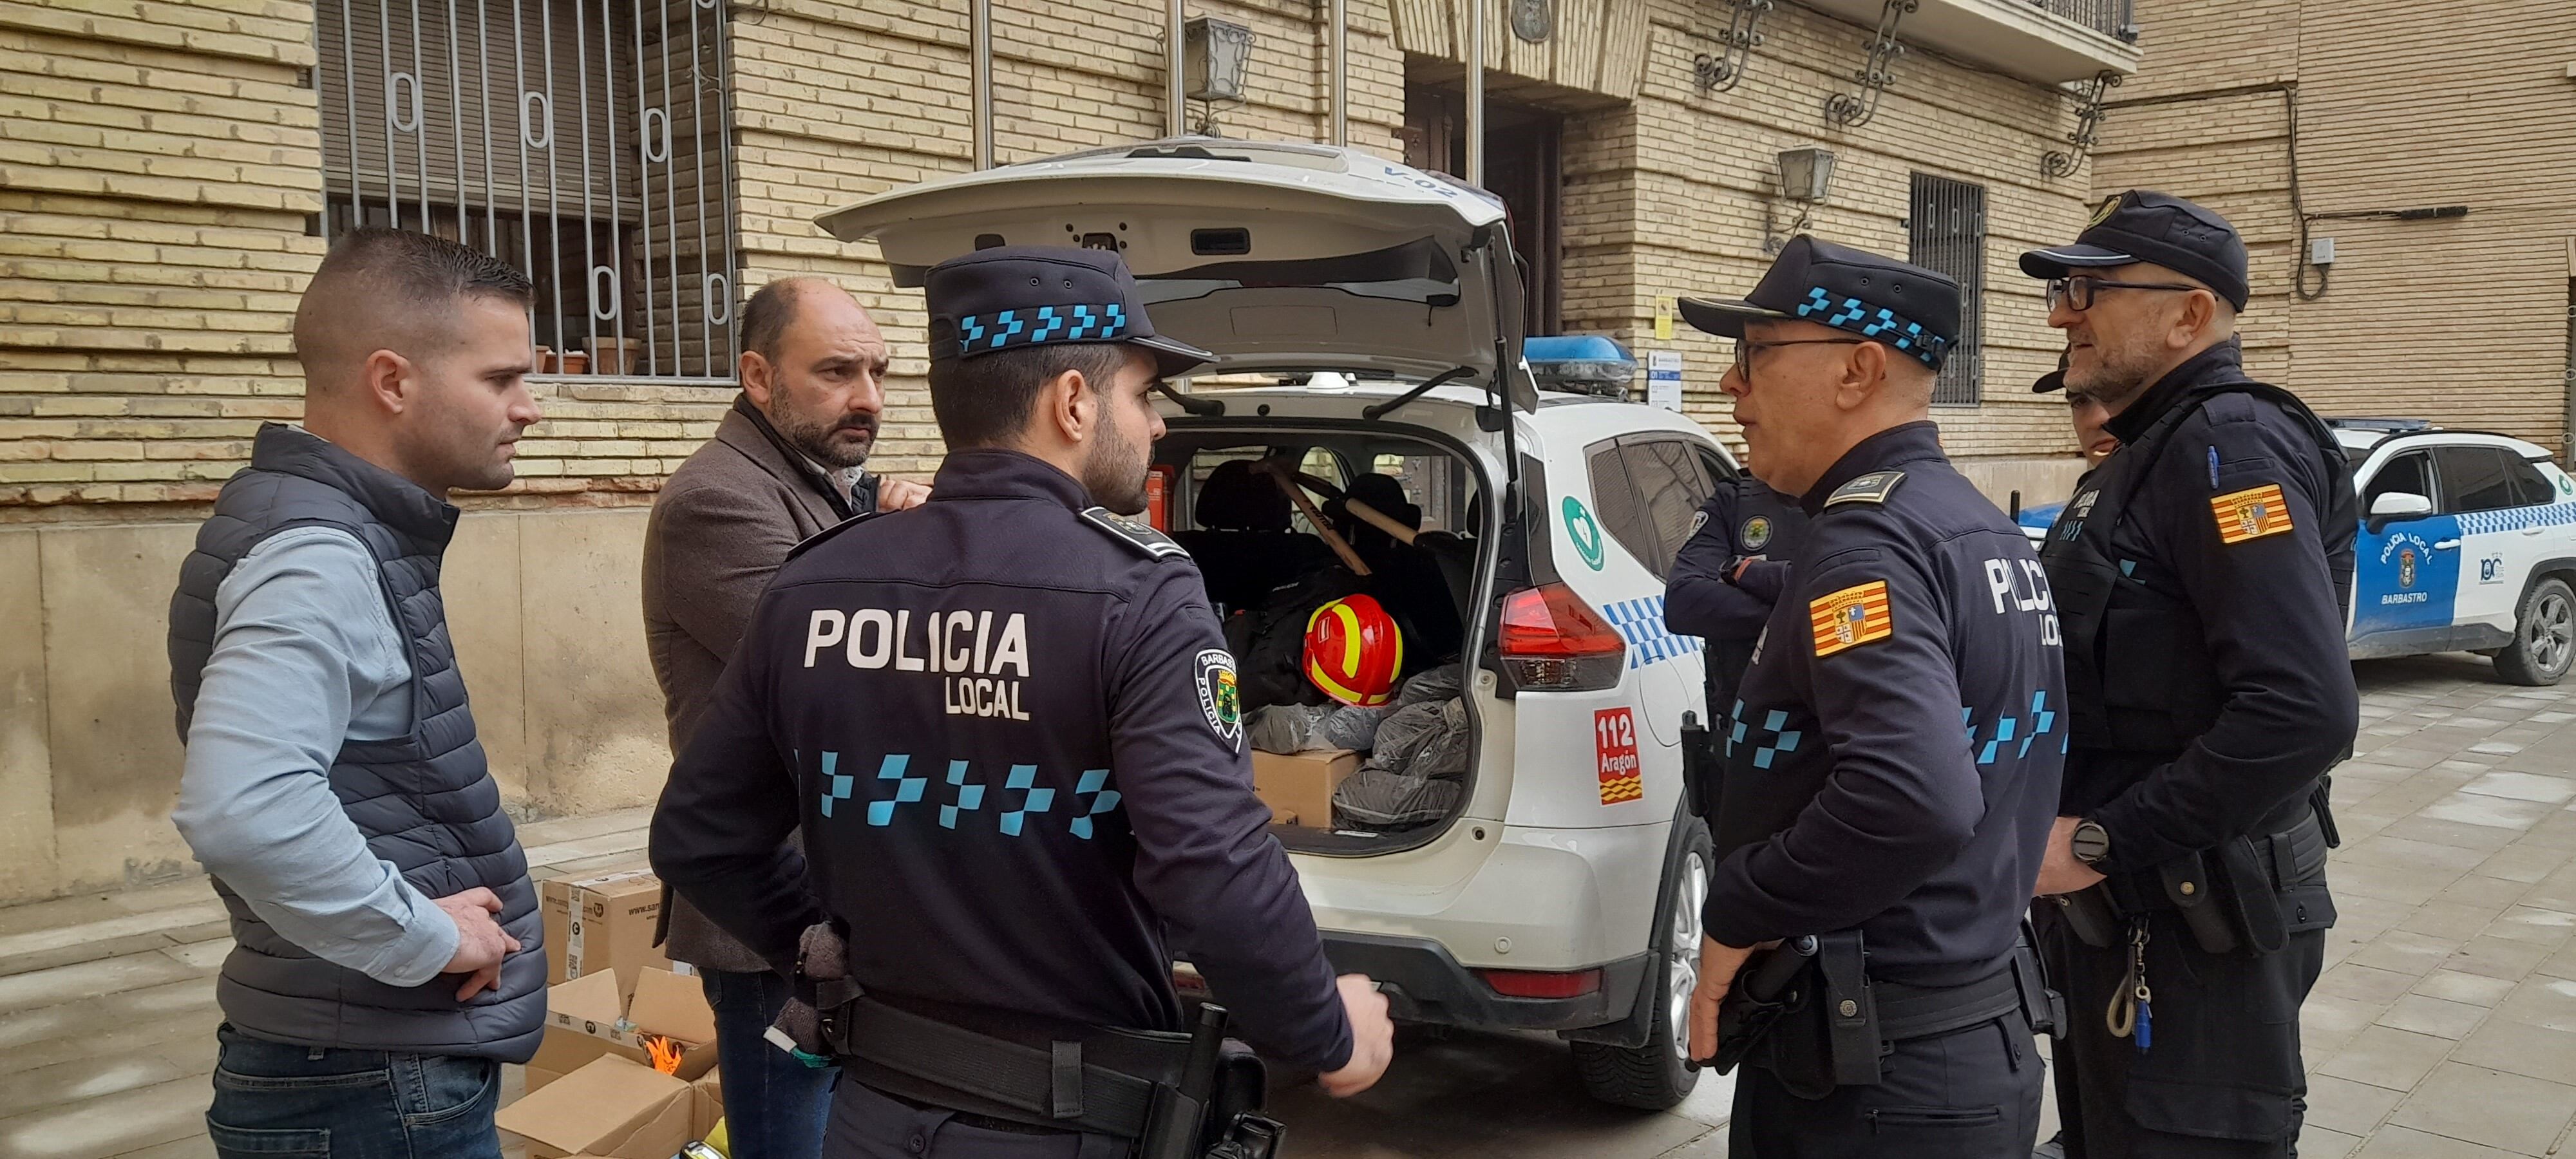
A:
(1554, 642)
(1535, 984)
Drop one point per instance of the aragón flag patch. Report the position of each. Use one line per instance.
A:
(2251, 513)
(1851, 617)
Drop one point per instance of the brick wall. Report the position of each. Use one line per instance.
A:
(2399, 106)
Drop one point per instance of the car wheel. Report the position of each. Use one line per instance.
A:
(2544, 636)
(1652, 1077)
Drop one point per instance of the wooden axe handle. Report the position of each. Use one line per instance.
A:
(1323, 526)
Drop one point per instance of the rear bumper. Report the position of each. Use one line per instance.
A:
(1423, 983)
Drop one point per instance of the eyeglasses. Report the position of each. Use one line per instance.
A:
(2077, 293)
(1746, 348)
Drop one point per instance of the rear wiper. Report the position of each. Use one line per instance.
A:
(1377, 411)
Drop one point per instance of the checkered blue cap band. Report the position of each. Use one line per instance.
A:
(1848, 313)
(1080, 322)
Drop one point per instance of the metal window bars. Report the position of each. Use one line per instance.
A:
(588, 134)
(1946, 231)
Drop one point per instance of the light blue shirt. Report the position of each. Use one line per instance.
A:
(306, 658)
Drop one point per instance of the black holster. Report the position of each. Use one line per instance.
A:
(1848, 1022)
(1174, 1096)
(2229, 898)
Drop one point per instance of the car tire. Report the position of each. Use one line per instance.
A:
(1651, 1077)
(2544, 636)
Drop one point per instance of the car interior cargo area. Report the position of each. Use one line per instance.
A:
(1342, 565)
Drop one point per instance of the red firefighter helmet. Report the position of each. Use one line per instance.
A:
(1353, 651)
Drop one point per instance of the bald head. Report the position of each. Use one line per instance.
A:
(384, 289)
(815, 365)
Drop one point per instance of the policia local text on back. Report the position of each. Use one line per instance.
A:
(994, 886)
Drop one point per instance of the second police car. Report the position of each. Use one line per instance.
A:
(1367, 319)
(2467, 543)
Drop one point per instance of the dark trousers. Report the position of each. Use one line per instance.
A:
(869, 1125)
(272, 1098)
(1969, 1094)
(775, 1106)
(2222, 1078)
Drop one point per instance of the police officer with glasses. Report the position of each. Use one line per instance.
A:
(1892, 754)
(2202, 576)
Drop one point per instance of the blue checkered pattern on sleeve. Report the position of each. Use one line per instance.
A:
(1869, 321)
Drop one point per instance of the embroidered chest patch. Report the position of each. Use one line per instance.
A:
(2250, 514)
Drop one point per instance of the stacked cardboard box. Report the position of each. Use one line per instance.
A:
(612, 1108)
(602, 924)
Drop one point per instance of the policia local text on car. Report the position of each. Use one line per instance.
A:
(1008, 726)
(1892, 754)
(2202, 576)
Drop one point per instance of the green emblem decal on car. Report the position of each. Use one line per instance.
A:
(1585, 533)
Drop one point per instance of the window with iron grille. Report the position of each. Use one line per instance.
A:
(581, 141)
(1946, 231)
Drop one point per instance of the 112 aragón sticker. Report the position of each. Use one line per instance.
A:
(1614, 743)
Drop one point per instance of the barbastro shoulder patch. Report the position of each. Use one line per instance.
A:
(1874, 487)
(1220, 699)
(1134, 533)
(2251, 513)
(1851, 617)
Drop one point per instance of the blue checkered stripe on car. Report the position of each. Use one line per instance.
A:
(1870, 321)
(2516, 519)
(1641, 624)
(1075, 323)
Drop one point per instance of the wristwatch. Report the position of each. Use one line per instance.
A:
(2090, 842)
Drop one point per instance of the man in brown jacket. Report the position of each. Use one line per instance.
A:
(782, 466)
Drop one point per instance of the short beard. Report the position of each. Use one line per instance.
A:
(1112, 470)
(814, 440)
(2122, 376)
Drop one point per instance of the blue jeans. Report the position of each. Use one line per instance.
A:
(274, 1099)
(775, 1106)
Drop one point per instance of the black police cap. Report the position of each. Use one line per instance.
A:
(1012, 297)
(2142, 225)
(1910, 308)
(2053, 380)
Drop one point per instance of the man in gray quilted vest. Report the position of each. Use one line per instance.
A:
(387, 959)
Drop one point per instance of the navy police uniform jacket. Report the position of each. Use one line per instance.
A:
(1009, 728)
(1743, 519)
(2205, 573)
(1892, 756)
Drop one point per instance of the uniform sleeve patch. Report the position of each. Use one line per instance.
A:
(1133, 533)
(1851, 617)
(1220, 699)
(2250, 514)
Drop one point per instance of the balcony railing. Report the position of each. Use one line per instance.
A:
(2110, 17)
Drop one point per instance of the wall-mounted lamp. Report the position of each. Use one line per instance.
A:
(1213, 53)
(1806, 178)
(1806, 175)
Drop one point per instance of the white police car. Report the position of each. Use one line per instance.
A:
(2467, 543)
(1555, 883)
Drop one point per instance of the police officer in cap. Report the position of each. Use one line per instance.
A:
(2202, 575)
(1008, 726)
(1729, 574)
(1892, 753)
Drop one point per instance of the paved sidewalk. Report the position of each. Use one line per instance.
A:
(2445, 1026)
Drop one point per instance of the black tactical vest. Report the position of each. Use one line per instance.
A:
(425, 801)
(2139, 679)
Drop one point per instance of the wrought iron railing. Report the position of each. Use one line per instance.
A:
(582, 141)
(2109, 17)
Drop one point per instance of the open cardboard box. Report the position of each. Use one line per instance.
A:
(1298, 787)
(602, 924)
(586, 1020)
(611, 1108)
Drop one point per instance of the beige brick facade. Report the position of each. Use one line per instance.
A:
(162, 173)
(2399, 106)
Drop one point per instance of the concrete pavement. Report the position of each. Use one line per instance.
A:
(2445, 1025)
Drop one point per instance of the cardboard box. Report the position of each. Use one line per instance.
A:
(610, 1108)
(602, 924)
(1302, 784)
(586, 1021)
